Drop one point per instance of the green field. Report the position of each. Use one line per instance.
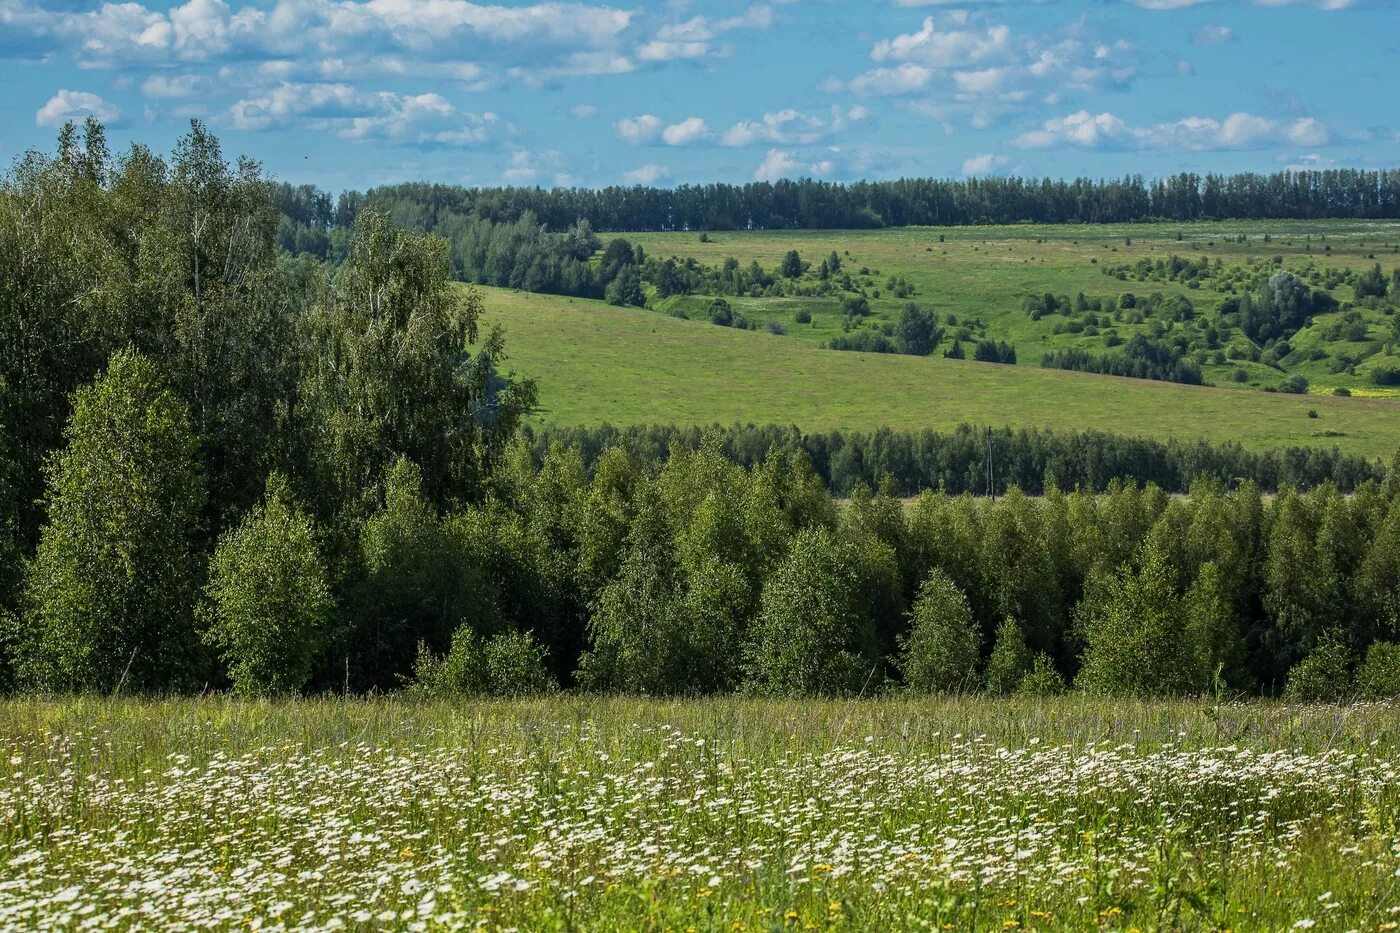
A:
(597, 363)
(983, 274)
(587, 814)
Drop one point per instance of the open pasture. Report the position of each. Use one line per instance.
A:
(596, 363)
(982, 275)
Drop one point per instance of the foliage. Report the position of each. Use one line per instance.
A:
(111, 592)
(1324, 676)
(1378, 676)
(943, 648)
(507, 664)
(812, 635)
(1010, 661)
(268, 600)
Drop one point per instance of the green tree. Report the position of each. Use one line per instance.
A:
(1137, 636)
(638, 628)
(268, 601)
(412, 584)
(1010, 660)
(111, 592)
(397, 368)
(792, 265)
(812, 635)
(918, 331)
(944, 646)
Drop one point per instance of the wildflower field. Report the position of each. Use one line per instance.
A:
(578, 813)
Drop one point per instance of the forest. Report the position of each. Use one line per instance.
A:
(312, 215)
(227, 467)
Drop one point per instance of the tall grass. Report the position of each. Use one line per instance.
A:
(590, 813)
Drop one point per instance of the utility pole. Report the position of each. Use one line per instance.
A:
(991, 473)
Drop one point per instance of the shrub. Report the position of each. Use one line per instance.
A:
(1043, 680)
(1378, 677)
(268, 599)
(943, 646)
(803, 317)
(721, 313)
(1010, 661)
(1294, 385)
(774, 327)
(510, 664)
(1324, 676)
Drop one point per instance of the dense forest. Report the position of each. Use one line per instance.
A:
(227, 467)
(312, 214)
(976, 460)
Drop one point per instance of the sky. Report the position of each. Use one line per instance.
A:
(357, 93)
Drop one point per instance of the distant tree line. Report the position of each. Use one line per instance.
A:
(812, 204)
(224, 468)
(1030, 459)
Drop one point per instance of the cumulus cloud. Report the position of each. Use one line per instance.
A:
(985, 164)
(583, 111)
(963, 66)
(76, 106)
(172, 87)
(352, 114)
(697, 37)
(647, 128)
(639, 129)
(792, 127)
(648, 174)
(201, 30)
(688, 131)
(1086, 130)
(783, 163)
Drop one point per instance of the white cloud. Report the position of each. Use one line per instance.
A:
(783, 163)
(791, 127)
(76, 106)
(648, 174)
(1213, 34)
(583, 111)
(422, 119)
(639, 129)
(687, 132)
(949, 48)
(985, 164)
(172, 87)
(696, 37)
(648, 128)
(960, 66)
(116, 33)
(883, 81)
(1238, 131)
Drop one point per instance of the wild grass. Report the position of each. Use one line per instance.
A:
(726, 814)
(596, 363)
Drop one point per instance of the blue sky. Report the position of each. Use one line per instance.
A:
(354, 93)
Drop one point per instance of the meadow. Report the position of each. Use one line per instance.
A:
(598, 363)
(726, 814)
(982, 275)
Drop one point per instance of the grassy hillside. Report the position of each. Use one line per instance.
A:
(596, 363)
(982, 276)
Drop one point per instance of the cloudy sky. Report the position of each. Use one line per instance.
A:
(352, 93)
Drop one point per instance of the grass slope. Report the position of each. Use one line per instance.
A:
(597, 363)
(985, 273)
